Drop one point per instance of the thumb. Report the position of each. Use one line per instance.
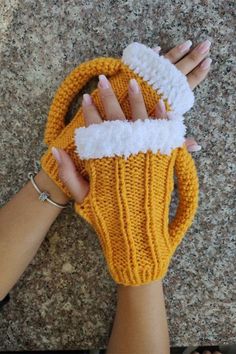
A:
(75, 183)
(192, 145)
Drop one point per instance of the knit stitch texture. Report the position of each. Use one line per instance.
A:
(129, 198)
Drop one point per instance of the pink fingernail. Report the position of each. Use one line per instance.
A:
(203, 47)
(157, 49)
(56, 154)
(185, 46)
(194, 148)
(162, 106)
(134, 86)
(103, 82)
(206, 63)
(87, 100)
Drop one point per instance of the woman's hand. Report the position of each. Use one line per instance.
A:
(194, 65)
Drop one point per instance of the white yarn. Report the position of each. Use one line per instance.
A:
(161, 74)
(124, 138)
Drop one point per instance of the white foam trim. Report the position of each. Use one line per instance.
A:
(125, 138)
(161, 74)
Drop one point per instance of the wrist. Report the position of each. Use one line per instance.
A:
(138, 292)
(140, 300)
(45, 183)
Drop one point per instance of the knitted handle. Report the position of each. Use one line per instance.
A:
(70, 87)
(186, 173)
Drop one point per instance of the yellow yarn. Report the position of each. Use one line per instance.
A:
(128, 202)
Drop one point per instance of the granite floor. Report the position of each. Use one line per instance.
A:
(179, 350)
(66, 300)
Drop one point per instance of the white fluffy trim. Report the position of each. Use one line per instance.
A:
(125, 138)
(161, 74)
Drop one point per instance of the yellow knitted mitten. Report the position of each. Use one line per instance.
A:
(130, 165)
(131, 183)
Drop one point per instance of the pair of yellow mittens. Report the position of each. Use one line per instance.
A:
(130, 164)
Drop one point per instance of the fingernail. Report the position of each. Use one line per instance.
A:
(134, 86)
(185, 46)
(162, 106)
(103, 82)
(87, 100)
(204, 46)
(194, 148)
(157, 49)
(56, 154)
(206, 63)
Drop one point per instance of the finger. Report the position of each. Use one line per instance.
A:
(192, 145)
(178, 52)
(91, 114)
(199, 73)
(109, 100)
(137, 104)
(157, 49)
(160, 109)
(191, 60)
(75, 183)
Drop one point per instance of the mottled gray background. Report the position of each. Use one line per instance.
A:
(66, 298)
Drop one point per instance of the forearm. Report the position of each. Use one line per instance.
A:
(140, 324)
(25, 221)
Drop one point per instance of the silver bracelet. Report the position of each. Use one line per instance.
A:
(44, 196)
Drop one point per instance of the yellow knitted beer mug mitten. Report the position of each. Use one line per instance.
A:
(131, 170)
(130, 164)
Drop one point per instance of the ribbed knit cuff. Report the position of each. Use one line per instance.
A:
(141, 276)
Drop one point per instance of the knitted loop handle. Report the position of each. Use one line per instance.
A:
(70, 87)
(187, 177)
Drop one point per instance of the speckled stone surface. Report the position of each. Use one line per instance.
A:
(66, 298)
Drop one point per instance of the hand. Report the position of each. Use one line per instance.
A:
(76, 184)
(194, 65)
(188, 64)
